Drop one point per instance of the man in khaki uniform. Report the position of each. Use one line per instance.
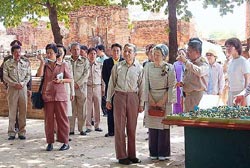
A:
(80, 68)
(195, 79)
(16, 73)
(95, 91)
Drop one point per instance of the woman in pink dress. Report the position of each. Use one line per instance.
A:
(55, 74)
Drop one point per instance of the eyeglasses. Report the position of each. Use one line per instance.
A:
(209, 55)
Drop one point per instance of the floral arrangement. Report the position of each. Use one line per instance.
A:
(220, 112)
(164, 70)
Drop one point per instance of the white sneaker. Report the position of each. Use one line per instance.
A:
(153, 158)
(162, 158)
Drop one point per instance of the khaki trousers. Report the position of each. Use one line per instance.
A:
(17, 101)
(125, 118)
(94, 99)
(192, 99)
(78, 110)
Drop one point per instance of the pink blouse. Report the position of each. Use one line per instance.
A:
(52, 91)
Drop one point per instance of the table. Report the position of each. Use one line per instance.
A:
(215, 144)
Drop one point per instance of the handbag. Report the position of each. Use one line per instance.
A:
(156, 111)
(36, 97)
(37, 100)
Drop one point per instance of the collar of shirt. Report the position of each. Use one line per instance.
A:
(58, 63)
(213, 65)
(115, 62)
(71, 59)
(135, 63)
(94, 63)
(200, 59)
(21, 61)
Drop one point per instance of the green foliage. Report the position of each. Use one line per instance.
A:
(157, 5)
(130, 25)
(225, 6)
(218, 35)
(13, 11)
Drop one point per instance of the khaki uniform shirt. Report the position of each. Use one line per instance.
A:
(80, 69)
(126, 78)
(17, 72)
(196, 75)
(95, 75)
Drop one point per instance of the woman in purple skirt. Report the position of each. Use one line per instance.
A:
(179, 70)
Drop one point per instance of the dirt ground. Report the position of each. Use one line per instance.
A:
(91, 151)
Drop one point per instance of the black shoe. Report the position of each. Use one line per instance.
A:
(83, 133)
(21, 137)
(11, 137)
(109, 134)
(49, 147)
(98, 129)
(135, 160)
(64, 147)
(88, 130)
(125, 161)
(71, 133)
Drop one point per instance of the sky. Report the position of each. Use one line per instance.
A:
(207, 20)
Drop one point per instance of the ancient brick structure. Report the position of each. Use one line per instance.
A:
(90, 26)
(156, 31)
(93, 25)
(96, 24)
(32, 37)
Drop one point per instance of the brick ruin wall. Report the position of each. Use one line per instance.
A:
(95, 24)
(109, 24)
(156, 31)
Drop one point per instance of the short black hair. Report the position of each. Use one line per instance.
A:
(14, 47)
(236, 43)
(52, 46)
(196, 44)
(61, 46)
(100, 47)
(91, 49)
(83, 47)
(116, 45)
(15, 42)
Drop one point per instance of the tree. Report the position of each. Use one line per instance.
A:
(180, 7)
(172, 8)
(13, 11)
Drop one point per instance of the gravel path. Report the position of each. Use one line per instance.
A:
(91, 151)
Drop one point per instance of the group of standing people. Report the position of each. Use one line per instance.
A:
(75, 87)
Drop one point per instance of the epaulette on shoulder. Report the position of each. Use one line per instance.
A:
(25, 59)
(203, 60)
(67, 59)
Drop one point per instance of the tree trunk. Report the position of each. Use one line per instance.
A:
(54, 23)
(172, 23)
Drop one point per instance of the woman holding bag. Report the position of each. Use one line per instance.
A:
(160, 89)
(55, 97)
